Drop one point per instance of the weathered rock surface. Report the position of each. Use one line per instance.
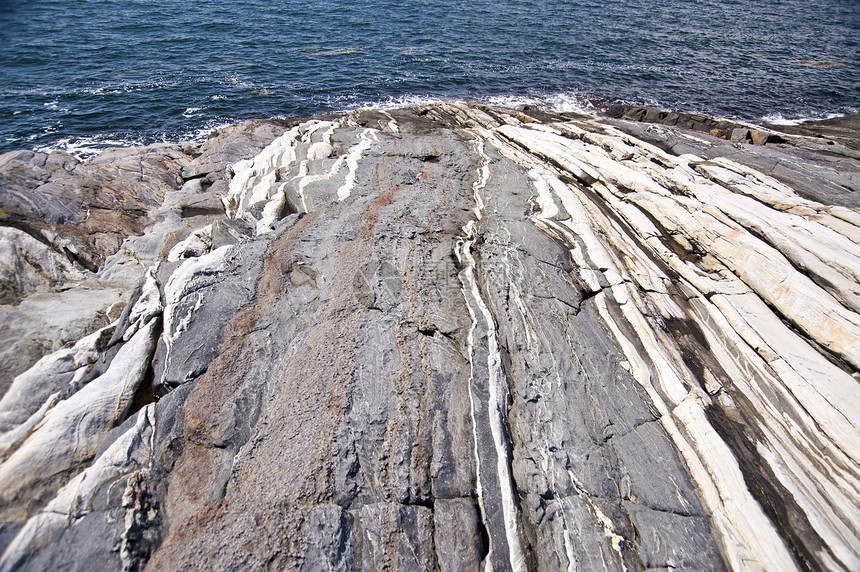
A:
(78, 237)
(449, 338)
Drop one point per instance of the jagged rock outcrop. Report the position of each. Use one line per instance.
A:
(457, 337)
(119, 213)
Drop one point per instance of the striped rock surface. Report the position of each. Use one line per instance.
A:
(463, 337)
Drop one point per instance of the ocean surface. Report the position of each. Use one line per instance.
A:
(84, 74)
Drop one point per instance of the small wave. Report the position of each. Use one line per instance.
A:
(83, 148)
(571, 103)
(236, 80)
(54, 106)
(568, 102)
(397, 102)
(335, 52)
(817, 64)
(121, 87)
(560, 102)
(200, 134)
(780, 119)
(413, 50)
(190, 111)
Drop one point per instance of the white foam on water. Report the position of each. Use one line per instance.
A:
(562, 102)
(87, 147)
(83, 148)
(778, 118)
(200, 134)
(397, 102)
(236, 80)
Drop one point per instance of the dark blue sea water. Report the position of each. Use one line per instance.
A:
(85, 73)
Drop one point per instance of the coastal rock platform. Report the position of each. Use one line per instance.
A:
(452, 337)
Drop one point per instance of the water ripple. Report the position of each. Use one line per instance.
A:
(105, 70)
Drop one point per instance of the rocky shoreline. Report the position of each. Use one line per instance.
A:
(444, 337)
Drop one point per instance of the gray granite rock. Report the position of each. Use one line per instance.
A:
(231, 144)
(456, 337)
(77, 236)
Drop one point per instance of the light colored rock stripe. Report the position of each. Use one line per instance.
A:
(466, 277)
(366, 140)
(316, 152)
(480, 183)
(496, 383)
(269, 176)
(253, 179)
(747, 532)
(194, 274)
(75, 499)
(849, 439)
(495, 404)
(72, 431)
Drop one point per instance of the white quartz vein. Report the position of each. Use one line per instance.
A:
(366, 140)
(497, 383)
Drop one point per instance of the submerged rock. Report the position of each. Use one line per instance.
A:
(454, 337)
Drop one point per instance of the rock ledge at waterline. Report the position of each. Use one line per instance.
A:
(454, 337)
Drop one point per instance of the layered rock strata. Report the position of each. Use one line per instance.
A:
(455, 337)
